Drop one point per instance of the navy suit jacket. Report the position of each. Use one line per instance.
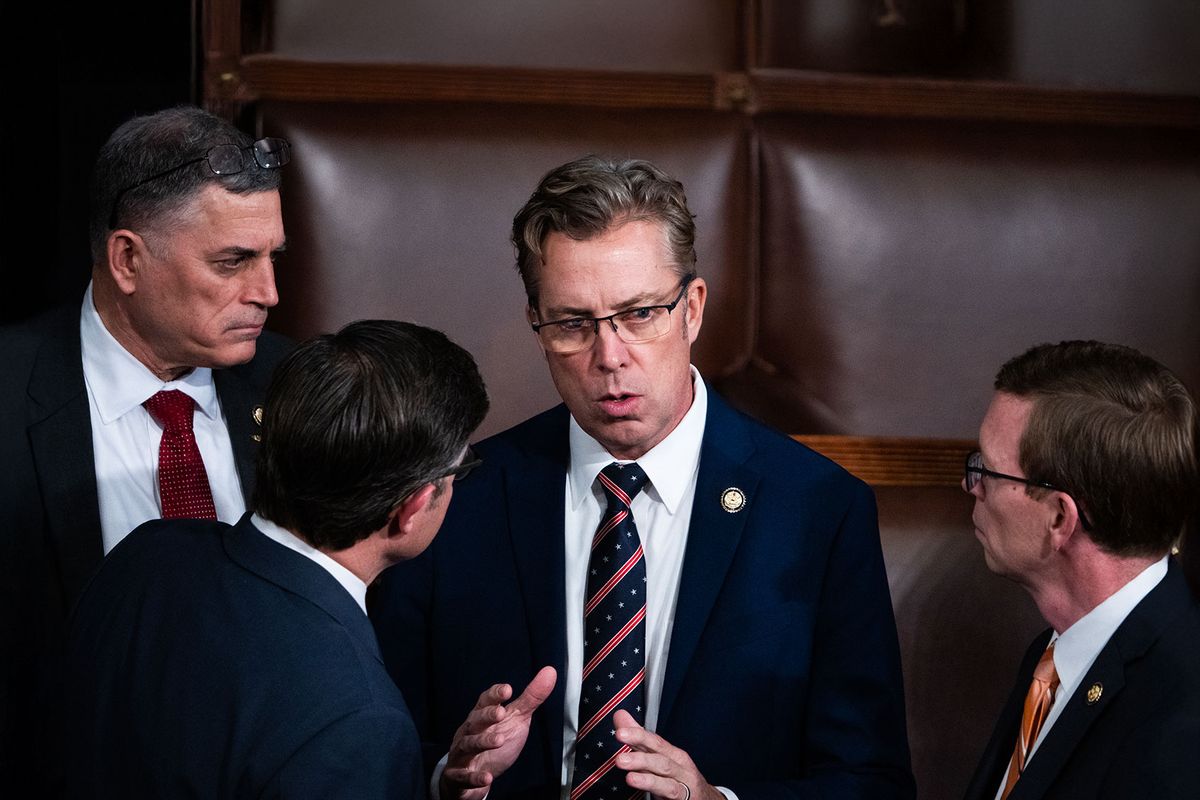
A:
(1141, 737)
(783, 674)
(50, 541)
(206, 660)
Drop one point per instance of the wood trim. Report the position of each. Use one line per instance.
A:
(856, 95)
(273, 78)
(895, 461)
(266, 76)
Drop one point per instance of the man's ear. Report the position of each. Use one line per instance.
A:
(126, 255)
(400, 523)
(1066, 522)
(697, 293)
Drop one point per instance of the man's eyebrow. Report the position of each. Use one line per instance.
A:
(648, 298)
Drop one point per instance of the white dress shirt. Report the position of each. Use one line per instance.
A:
(1076, 648)
(125, 438)
(661, 511)
(349, 581)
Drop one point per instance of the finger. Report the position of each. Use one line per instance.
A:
(649, 764)
(536, 692)
(668, 788)
(494, 694)
(472, 745)
(459, 777)
(623, 719)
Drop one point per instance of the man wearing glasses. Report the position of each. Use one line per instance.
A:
(1085, 477)
(710, 595)
(140, 403)
(214, 661)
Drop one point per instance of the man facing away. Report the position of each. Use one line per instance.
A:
(711, 593)
(210, 660)
(1086, 473)
(138, 403)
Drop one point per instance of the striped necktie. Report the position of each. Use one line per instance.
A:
(614, 640)
(1037, 707)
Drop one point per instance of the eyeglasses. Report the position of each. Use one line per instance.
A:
(973, 472)
(634, 325)
(224, 159)
(470, 461)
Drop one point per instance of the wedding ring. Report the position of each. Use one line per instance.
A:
(687, 793)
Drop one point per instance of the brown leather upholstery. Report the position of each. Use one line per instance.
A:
(902, 262)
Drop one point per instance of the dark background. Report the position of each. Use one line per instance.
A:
(75, 73)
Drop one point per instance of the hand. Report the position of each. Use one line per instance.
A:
(656, 766)
(492, 736)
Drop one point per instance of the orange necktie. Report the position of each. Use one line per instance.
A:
(1037, 708)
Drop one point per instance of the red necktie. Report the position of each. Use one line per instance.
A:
(614, 640)
(182, 481)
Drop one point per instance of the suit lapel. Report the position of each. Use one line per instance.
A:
(60, 437)
(713, 538)
(534, 487)
(1000, 747)
(1137, 634)
(238, 402)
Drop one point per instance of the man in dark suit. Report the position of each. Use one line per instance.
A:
(710, 593)
(209, 660)
(185, 226)
(1086, 473)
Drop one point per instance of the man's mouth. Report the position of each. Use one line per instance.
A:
(619, 404)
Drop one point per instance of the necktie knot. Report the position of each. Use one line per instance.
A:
(172, 409)
(622, 482)
(1045, 671)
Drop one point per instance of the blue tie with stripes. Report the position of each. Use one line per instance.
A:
(614, 640)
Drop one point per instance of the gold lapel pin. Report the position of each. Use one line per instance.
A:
(733, 499)
(1094, 693)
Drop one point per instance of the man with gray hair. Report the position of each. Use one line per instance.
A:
(140, 402)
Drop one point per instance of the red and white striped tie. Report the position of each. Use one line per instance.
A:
(614, 640)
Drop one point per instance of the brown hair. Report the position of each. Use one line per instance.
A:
(588, 196)
(1114, 429)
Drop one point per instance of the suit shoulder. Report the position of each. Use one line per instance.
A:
(783, 458)
(546, 431)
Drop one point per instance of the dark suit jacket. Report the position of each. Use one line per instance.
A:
(1141, 737)
(783, 677)
(50, 540)
(206, 660)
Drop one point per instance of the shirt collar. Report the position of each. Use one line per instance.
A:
(349, 581)
(119, 382)
(1077, 647)
(670, 464)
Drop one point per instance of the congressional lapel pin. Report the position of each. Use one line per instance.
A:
(257, 415)
(1094, 693)
(733, 499)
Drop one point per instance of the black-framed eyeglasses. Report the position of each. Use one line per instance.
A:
(634, 325)
(973, 472)
(470, 461)
(224, 159)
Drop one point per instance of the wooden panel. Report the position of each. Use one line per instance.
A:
(272, 78)
(895, 461)
(786, 90)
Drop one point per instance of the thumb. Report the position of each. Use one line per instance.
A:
(623, 719)
(536, 692)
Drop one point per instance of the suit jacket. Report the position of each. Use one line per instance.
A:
(206, 660)
(783, 675)
(50, 541)
(1140, 737)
